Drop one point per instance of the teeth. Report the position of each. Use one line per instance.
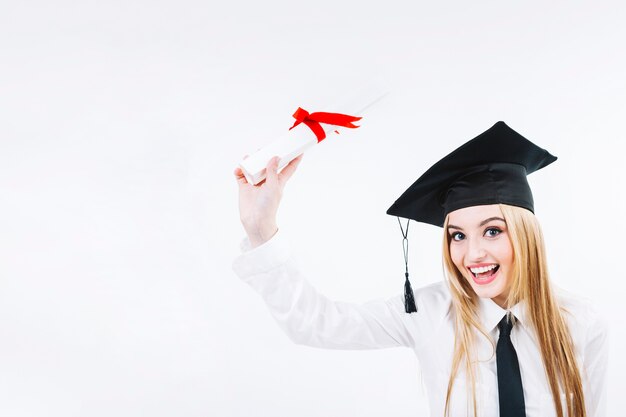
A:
(483, 269)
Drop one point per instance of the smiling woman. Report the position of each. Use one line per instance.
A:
(494, 338)
(497, 252)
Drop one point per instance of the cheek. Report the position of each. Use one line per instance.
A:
(456, 254)
(505, 254)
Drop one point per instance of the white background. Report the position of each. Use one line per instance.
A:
(121, 123)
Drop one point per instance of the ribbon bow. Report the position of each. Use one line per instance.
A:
(313, 120)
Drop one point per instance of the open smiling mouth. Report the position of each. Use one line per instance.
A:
(484, 273)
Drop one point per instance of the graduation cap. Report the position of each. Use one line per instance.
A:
(489, 169)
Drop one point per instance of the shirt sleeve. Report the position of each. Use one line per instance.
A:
(310, 318)
(595, 364)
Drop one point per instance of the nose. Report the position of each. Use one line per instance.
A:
(476, 251)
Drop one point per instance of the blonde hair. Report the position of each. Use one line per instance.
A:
(530, 282)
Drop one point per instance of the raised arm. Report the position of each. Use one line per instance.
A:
(310, 318)
(305, 315)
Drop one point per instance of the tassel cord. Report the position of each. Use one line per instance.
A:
(409, 298)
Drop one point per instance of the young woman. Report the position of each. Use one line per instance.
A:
(494, 338)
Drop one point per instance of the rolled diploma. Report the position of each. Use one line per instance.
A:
(295, 141)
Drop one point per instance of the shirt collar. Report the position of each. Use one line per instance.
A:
(491, 313)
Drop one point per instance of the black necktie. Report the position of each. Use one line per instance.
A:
(510, 390)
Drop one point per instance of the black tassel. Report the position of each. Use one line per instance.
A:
(409, 298)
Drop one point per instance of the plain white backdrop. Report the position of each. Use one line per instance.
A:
(121, 123)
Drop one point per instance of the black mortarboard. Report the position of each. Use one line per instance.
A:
(489, 169)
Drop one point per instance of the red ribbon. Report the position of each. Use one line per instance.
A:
(313, 120)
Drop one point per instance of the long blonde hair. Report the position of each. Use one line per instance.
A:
(530, 282)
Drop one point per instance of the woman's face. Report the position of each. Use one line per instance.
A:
(481, 249)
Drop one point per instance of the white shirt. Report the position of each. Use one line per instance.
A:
(310, 318)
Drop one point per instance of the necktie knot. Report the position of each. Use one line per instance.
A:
(505, 326)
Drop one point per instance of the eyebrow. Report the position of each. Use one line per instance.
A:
(484, 222)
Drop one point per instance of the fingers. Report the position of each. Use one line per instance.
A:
(241, 179)
(288, 171)
(271, 173)
(271, 176)
(239, 176)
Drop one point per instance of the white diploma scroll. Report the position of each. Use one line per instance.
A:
(297, 140)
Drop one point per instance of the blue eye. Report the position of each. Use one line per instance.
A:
(492, 232)
(457, 236)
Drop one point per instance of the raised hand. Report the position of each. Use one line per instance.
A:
(258, 204)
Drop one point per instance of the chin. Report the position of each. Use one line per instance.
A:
(484, 293)
(491, 290)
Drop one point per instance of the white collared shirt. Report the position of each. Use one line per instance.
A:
(310, 318)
